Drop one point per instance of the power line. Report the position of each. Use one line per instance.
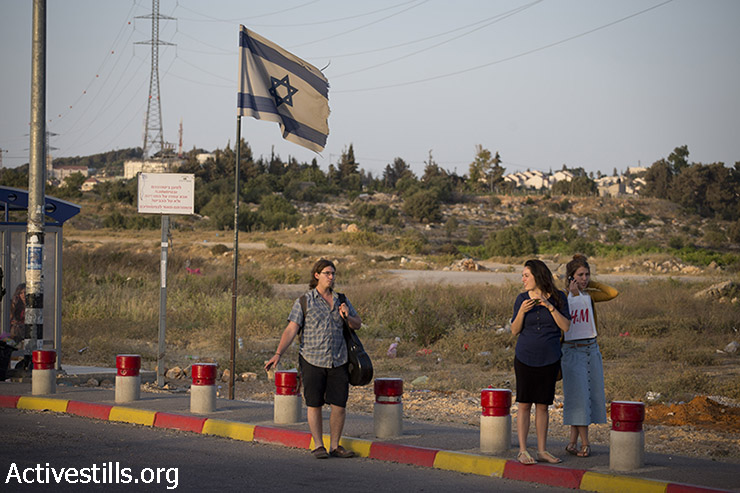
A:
(111, 51)
(419, 40)
(502, 60)
(241, 19)
(359, 27)
(496, 19)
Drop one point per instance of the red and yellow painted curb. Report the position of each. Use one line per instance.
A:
(482, 465)
(607, 483)
(229, 429)
(42, 404)
(470, 463)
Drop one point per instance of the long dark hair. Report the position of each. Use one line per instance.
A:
(578, 261)
(543, 279)
(320, 265)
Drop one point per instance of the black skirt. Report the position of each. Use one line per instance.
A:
(535, 384)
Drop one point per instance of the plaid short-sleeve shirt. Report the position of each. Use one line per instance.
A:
(322, 340)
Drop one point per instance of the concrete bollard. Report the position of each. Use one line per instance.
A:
(287, 406)
(203, 389)
(128, 378)
(388, 409)
(627, 439)
(43, 375)
(495, 421)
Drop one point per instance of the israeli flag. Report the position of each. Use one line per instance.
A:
(277, 86)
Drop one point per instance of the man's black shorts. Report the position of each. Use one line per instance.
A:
(324, 385)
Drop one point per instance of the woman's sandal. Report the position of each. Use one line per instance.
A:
(585, 451)
(572, 449)
(548, 457)
(525, 458)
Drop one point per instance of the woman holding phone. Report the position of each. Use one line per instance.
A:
(583, 373)
(540, 316)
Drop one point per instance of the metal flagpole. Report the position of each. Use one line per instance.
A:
(236, 256)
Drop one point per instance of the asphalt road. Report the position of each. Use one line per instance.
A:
(44, 441)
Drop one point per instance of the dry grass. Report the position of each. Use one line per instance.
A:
(453, 335)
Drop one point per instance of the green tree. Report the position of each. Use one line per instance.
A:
(14, 177)
(708, 190)
(485, 168)
(679, 159)
(423, 206)
(349, 176)
(398, 170)
(658, 179)
(579, 185)
(74, 181)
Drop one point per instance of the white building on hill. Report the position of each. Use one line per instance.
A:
(133, 167)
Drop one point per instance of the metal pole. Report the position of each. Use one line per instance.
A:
(232, 366)
(162, 301)
(36, 179)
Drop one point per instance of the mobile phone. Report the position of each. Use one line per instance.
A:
(537, 301)
(571, 279)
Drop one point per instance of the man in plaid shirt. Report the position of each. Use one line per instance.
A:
(322, 356)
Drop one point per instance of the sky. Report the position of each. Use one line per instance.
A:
(596, 84)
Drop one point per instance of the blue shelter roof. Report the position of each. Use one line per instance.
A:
(15, 199)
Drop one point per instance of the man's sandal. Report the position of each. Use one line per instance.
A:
(548, 457)
(572, 449)
(585, 451)
(320, 453)
(525, 458)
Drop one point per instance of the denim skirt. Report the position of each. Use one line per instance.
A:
(583, 383)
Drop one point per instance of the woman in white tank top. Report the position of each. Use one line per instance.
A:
(581, 363)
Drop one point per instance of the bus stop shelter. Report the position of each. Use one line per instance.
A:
(13, 259)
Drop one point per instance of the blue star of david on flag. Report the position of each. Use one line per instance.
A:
(277, 86)
(276, 83)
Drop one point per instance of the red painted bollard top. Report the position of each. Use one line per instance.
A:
(128, 365)
(43, 359)
(286, 382)
(204, 373)
(388, 390)
(495, 402)
(627, 416)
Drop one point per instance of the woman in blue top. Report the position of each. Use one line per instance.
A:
(540, 315)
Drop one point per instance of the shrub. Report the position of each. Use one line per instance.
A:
(277, 212)
(423, 206)
(513, 241)
(413, 243)
(380, 212)
(613, 236)
(360, 238)
(450, 226)
(474, 235)
(219, 249)
(676, 242)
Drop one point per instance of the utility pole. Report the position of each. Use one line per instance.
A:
(153, 135)
(179, 148)
(36, 182)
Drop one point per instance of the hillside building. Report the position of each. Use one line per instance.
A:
(133, 167)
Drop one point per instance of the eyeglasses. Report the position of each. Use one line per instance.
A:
(329, 273)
